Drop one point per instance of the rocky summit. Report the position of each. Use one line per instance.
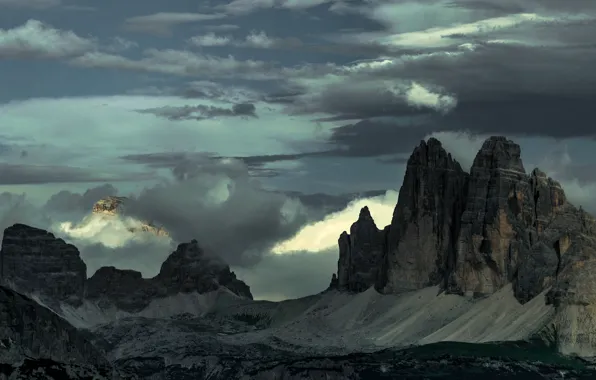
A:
(473, 233)
(34, 261)
(116, 206)
(188, 269)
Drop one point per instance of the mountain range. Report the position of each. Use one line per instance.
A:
(472, 265)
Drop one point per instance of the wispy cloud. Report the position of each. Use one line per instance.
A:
(161, 24)
(37, 40)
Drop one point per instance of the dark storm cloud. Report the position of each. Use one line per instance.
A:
(383, 137)
(223, 208)
(30, 4)
(16, 174)
(321, 204)
(67, 201)
(161, 24)
(165, 159)
(202, 112)
(184, 162)
(221, 27)
(16, 208)
(520, 6)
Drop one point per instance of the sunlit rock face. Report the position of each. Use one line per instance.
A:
(116, 206)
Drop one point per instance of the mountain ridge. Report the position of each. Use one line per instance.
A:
(34, 261)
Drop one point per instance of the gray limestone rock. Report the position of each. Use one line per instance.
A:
(117, 206)
(426, 220)
(360, 254)
(498, 209)
(123, 288)
(35, 261)
(188, 269)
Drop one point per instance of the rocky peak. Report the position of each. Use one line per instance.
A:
(499, 206)
(111, 205)
(497, 152)
(188, 269)
(364, 215)
(421, 237)
(360, 254)
(116, 206)
(33, 260)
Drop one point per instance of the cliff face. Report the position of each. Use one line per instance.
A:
(35, 261)
(469, 233)
(422, 236)
(360, 254)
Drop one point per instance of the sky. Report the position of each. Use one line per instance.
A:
(259, 127)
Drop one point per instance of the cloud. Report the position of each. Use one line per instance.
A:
(255, 39)
(439, 36)
(120, 44)
(312, 253)
(210, 39)
(323, 234)
(183, 63)
(18, 174)
(220, 92)
(110, 241)
(202, 112)
(259, 40)
(238, 7)
(30, 4)
(35, 39)
(39, 126)
(419, 96)
(67, 202)
(221, 27)
(218, 203)
(161, 24)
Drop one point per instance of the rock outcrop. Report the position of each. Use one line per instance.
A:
(422, 236)
(110, 205)
(188, 269)
(33, 260)
(116, 206)
(360, 254)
